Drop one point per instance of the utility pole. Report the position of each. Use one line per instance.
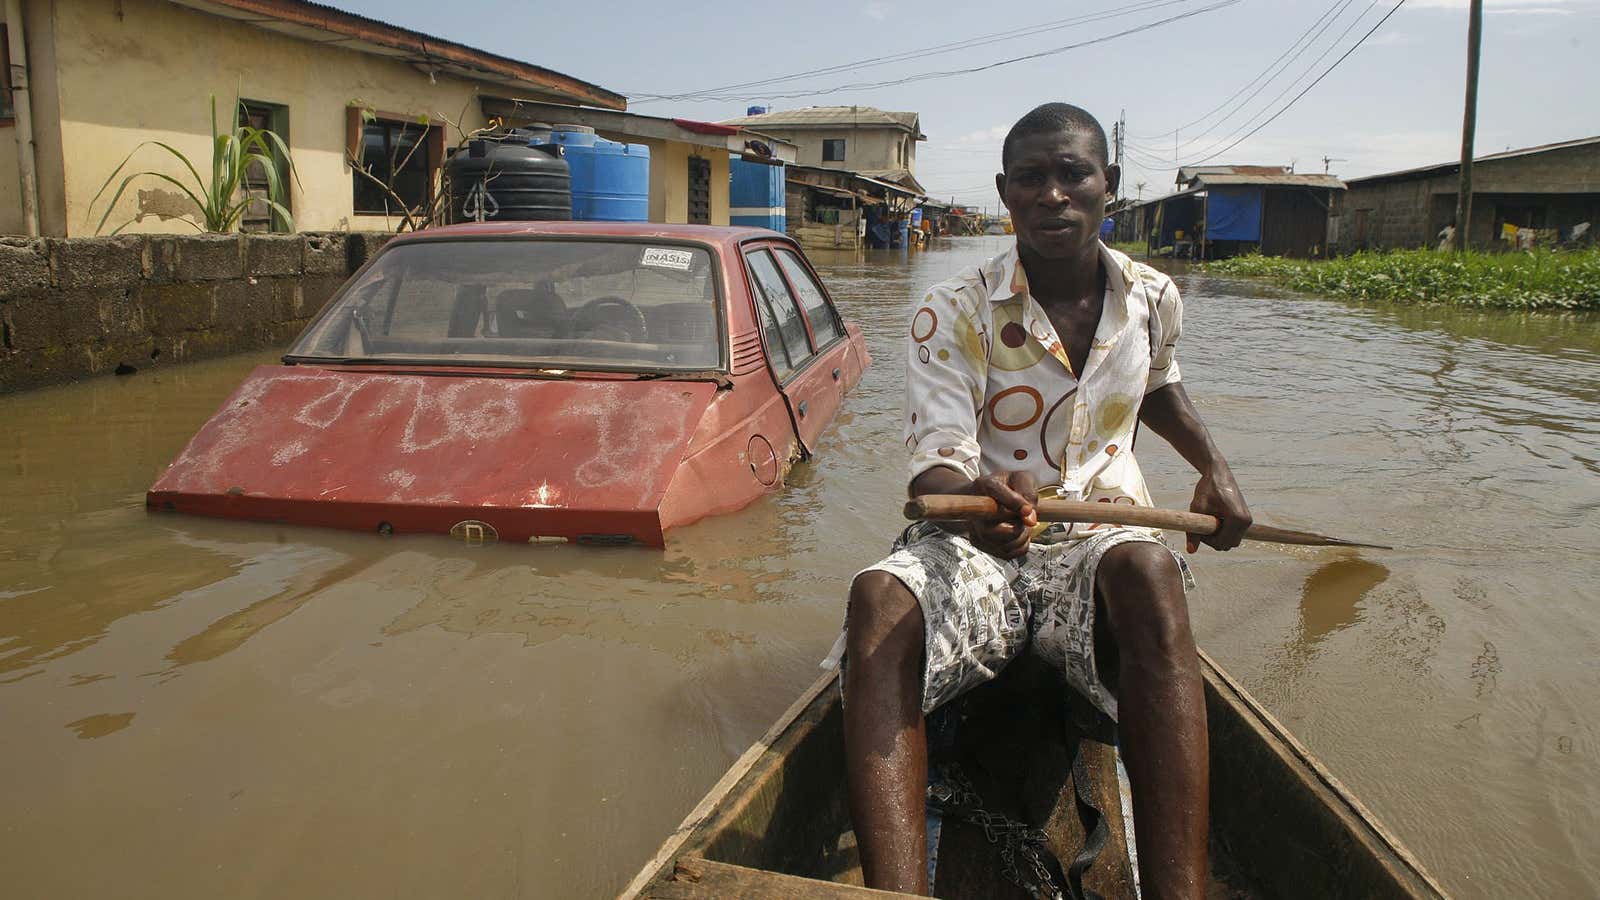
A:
(1469, 125)
(1120, 131)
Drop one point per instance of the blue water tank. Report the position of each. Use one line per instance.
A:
(610, 180)
(916, 217)
(755, 195)
(755, 110)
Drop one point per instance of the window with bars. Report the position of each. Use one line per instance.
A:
(699, 190)
(8, 112)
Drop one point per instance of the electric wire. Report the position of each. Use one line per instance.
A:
(964, 44)
(1307, 90)
(948, 73)
(1335, 10)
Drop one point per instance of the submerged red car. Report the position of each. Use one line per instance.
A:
(533, 382)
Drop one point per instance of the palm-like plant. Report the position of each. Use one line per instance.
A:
(221, 200)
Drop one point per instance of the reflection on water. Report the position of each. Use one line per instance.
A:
(1331, 599)
(224, 708)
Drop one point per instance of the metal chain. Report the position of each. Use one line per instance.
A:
(953, 794)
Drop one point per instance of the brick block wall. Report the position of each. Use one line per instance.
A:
(90, 306)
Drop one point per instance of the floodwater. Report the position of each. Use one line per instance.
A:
(194, 708)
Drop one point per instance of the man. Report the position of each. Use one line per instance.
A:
(1035, 370)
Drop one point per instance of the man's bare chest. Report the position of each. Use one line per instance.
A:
(1075, 325)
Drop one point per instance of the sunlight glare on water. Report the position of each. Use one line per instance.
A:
(199, 708)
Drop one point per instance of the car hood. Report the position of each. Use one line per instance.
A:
(581, 459)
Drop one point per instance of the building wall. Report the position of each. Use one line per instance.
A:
(1409, 212)
(875, 147)
(669, 179)
(128, 72)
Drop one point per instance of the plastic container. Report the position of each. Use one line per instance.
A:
(755, 195)
(610, 180)
(502, 177)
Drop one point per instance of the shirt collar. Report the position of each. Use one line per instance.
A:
(1013, 278)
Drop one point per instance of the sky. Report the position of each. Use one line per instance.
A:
(1192, 77)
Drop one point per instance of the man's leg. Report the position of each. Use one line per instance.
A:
(1161, 715)
(886, 750)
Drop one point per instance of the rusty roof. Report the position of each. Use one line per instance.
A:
(1477, 160)
(1277, 179)
(322, 24)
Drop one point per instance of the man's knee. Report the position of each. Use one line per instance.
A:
(883, 616)
(1144, 602)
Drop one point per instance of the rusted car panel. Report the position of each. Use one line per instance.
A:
(478, 441)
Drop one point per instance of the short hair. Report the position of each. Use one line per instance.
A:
(1058, 117)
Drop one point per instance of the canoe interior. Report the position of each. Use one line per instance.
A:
(777, 825)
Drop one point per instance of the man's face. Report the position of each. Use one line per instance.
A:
(1055, 187)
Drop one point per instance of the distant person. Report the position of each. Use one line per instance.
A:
(1058, 331)
(1447, 237)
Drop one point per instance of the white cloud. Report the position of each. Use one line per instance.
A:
(877, 10)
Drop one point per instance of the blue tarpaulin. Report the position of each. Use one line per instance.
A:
(1234, 214)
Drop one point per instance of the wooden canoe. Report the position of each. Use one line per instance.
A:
(776, 824)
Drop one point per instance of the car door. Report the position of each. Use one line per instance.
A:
(810, 375)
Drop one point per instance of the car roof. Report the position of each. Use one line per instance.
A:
(707, 234)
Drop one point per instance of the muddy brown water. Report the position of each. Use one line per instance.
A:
(196, 708)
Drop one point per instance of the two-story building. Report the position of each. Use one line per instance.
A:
(854, 179)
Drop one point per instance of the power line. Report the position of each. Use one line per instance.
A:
(964, 44)
(1335, 10)
(947, 73)
(1326, 72)
(1291, 86)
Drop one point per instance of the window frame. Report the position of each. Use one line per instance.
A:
(8, 112)
(827, 299)
(431, 141)
(276, 116)
(758, 294)
(827, 144)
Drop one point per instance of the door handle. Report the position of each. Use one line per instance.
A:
(802, 409)
(835, 373)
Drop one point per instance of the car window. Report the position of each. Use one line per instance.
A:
(785, 312)
(569, 304)
(824, 321)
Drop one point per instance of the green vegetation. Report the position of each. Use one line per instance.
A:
(1135, 249)
(1531, 279)
(221, 199)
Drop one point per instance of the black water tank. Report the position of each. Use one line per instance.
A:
(510, 176)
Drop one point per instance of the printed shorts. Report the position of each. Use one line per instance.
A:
(980, 612)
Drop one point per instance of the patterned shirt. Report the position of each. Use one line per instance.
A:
(989, 387)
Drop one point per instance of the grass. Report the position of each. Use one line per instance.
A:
(1531, 279)
(1134, 249)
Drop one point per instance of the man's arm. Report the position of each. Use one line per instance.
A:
(1168, 412)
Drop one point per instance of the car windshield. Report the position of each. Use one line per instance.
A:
(558, 304)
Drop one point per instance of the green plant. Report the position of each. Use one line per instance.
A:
(221, 198)
(1529, 279)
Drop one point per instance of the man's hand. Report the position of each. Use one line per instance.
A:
(1006, 535)
(1218, 495)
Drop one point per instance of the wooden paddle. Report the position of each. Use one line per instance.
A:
(960, 507)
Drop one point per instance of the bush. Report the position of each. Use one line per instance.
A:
(1531, 279)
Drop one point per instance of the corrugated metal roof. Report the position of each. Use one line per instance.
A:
(1189, 173)
(897, 176)
(316, 22)
(1478, 160)
(832, 116)
(1317, 180)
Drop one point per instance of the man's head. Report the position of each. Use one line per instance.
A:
(1055, 178)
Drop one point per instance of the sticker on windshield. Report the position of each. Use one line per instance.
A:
(663, 258)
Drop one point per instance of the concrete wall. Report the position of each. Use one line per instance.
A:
(87, 306)
(130, 71)
(865, 147)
